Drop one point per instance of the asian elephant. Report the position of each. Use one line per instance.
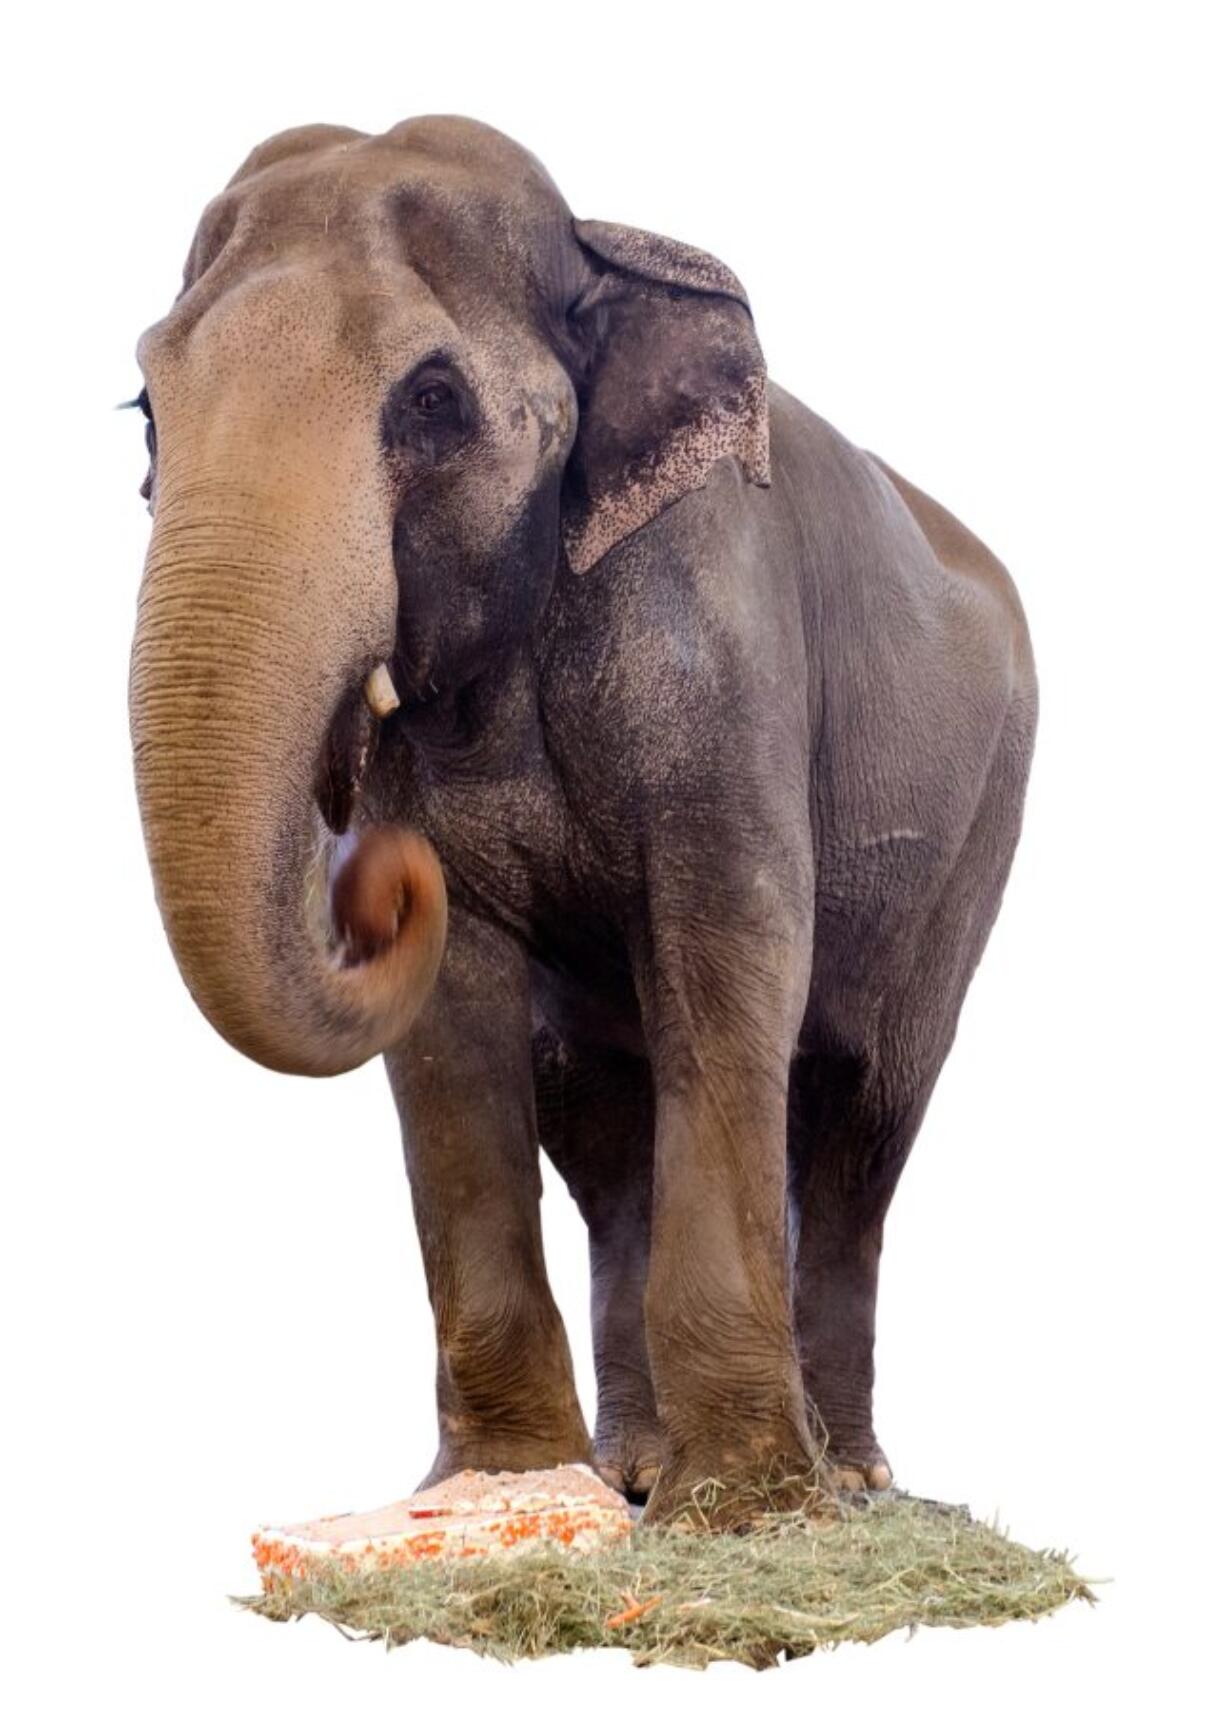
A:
(528, 689)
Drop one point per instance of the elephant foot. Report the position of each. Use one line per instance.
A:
(862, 1476)
(508, 1455)
(858, 1464)
(629, 1456)
(846, 1442)
(732, 1490)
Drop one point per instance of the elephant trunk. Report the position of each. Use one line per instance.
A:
(309, 946)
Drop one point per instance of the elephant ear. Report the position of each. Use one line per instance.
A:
(672, 380)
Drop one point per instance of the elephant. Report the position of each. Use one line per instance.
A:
(528, 688)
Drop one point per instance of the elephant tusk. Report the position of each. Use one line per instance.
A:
(381, 696)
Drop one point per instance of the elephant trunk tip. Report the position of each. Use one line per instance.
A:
(368, 953)
(376, 946)
(382, 886)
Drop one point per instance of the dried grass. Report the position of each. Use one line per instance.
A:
(788, 1585)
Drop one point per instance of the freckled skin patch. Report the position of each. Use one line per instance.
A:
(717, 730)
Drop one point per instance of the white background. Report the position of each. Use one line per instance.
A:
(979, 239)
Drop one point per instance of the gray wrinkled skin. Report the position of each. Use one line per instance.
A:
(719, 730)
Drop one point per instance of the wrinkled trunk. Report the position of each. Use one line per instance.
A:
(261, 614)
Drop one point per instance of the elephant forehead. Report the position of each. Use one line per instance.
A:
(467, 217)
(331, 247)
(299, 324)
(443, 143)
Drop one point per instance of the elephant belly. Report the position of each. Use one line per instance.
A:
(590, 1003)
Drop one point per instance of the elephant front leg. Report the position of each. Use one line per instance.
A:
(721, 1023)
(463, 1086)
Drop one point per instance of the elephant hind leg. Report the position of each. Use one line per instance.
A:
(594, 1117)
(849, 1143)
(854, 1112)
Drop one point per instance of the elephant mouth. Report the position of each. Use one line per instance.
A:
(344, 759)
(358, 885)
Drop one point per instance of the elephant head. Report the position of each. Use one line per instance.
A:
(400, 393)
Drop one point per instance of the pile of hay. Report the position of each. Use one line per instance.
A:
(692, 1596)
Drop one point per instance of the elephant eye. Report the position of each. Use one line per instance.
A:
(141, 403)
(151, 443)
(428, 414)
(434, 396)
